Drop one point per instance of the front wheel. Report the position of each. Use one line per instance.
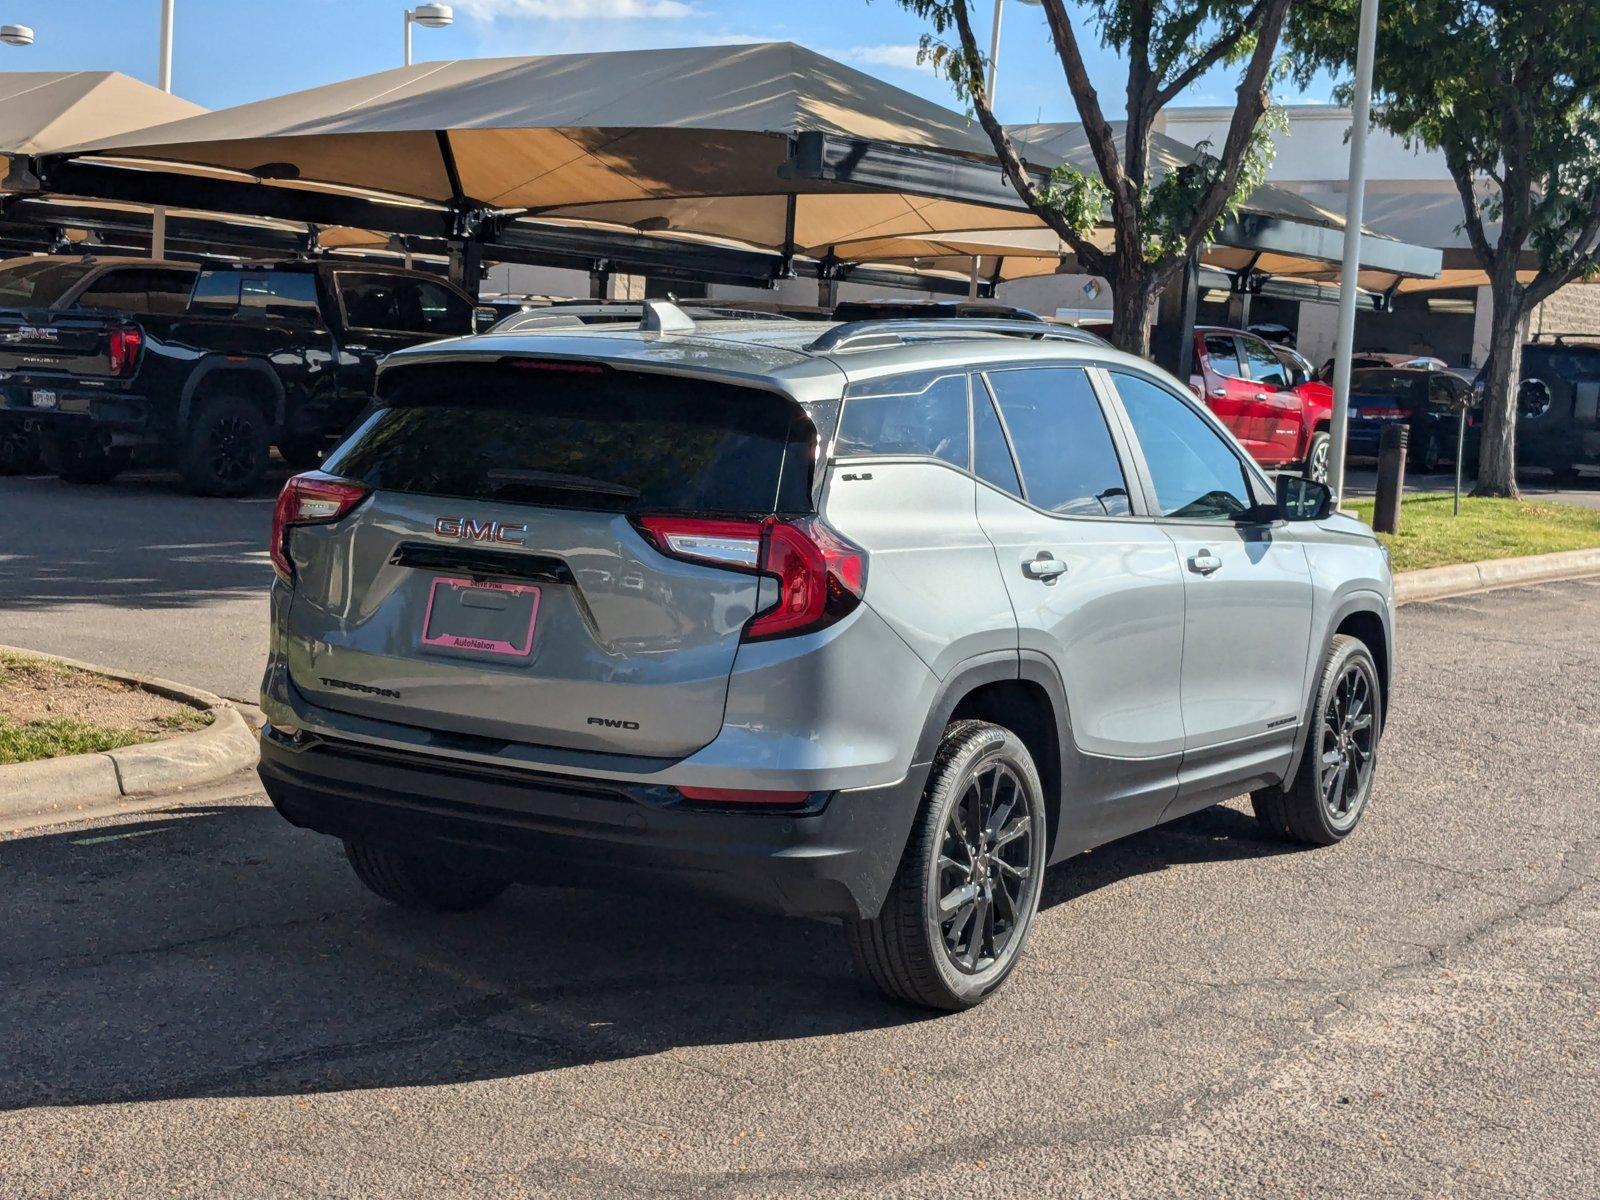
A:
(418, 882)
(959, 910)
(1329, 792)
(1317, 457)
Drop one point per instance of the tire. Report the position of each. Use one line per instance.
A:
(20, 453)
(418, 882)
(225, 447)
(83, 460)
(1298, 812)
(906, 951)
(302, 453)
(1316, 467)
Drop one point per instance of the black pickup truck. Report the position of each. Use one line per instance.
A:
(210, 366)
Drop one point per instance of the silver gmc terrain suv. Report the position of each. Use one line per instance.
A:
(872, 621)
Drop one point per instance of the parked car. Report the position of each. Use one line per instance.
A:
(209, 365)
(1279, 415)
(1418, 362)
(1558, 407)
(870, 622)
(44, 281)
(1429, 402)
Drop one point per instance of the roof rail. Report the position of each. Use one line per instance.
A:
(858, 335)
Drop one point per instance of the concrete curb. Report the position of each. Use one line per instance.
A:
(1460, 579)
(81, 785)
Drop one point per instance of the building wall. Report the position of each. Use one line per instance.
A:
(1573, 309)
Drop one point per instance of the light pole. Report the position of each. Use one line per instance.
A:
(433, 16)
(166, 46)
(1344, 344)
(988, 87)
(16, 35)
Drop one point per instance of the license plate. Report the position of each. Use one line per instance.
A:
(43, 398)
(481, 618)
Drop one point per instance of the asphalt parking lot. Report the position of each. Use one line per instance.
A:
(203, 1001)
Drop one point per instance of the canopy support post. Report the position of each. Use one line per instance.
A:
(600, 280)
(466, 265)
(1172, 347)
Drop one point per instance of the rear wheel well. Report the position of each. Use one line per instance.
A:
(249, 385)
(1367, 627)
(1024, 708)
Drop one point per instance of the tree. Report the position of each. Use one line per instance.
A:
(1157, 224)
(1508, 91)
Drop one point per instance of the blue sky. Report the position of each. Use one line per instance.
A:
(230, 51)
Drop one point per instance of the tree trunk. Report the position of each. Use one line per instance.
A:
(1497, 456)
(1130, 312)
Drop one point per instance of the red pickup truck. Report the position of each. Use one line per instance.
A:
(1267, 397)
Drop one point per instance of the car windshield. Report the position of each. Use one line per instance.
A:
(39, 282)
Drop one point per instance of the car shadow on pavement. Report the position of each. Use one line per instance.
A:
(218, 951)
(129, 544)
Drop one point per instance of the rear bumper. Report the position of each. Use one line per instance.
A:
(582, 831)
(116, 413)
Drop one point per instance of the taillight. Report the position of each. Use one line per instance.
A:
(309, 499)
(821, 577)
(122, 349)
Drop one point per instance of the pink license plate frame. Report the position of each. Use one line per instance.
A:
(452, 641)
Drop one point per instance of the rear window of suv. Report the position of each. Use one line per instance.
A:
(590, 437)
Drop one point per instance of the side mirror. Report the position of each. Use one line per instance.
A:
(484, 318)
(1301, 499)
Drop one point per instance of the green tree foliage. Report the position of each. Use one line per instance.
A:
(1508, 91)
(1158, 219)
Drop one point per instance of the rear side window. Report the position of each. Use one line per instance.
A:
(1196, 475)
(1069, 464)
(923, 415)
(284, 295)
(402, 304)
(585, 438)
(216, 292)
(139, 290)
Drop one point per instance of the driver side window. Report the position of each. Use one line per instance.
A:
(1196, 475)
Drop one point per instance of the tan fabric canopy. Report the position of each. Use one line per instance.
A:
(44, 111)
(677, 140)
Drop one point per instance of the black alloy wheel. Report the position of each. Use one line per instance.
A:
(957, 914)
(1348, 740)
(984, 869)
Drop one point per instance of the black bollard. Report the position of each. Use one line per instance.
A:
(1391, 479)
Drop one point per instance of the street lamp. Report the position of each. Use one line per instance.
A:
(434, 16)
(16, 35)
(994, 47)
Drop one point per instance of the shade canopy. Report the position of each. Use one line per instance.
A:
(45, 111)
(693, 140)
(1276, 233)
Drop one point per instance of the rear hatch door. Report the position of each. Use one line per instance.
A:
(496, 583)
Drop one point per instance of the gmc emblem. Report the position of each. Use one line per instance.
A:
(481, 531)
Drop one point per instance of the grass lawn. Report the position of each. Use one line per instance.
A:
(49, 739)
(48, 710)
(1431, 537)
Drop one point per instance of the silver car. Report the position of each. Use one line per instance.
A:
(871, 622)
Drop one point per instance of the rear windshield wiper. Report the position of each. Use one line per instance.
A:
(558, 481)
